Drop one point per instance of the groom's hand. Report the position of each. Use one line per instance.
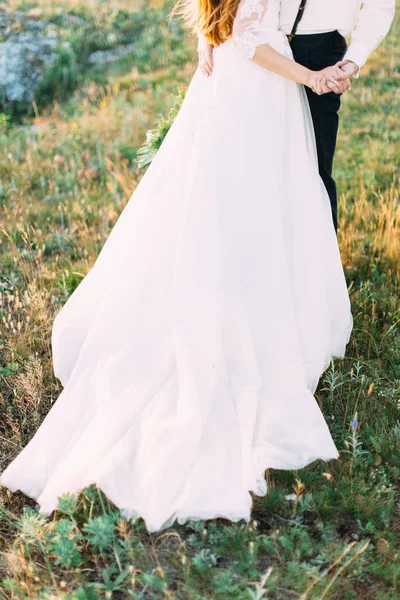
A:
(327, 80)
(348, 69)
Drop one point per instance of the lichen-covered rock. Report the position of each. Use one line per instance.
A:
(103, 57)
(27, 49)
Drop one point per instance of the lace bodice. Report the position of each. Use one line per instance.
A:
(254, 22)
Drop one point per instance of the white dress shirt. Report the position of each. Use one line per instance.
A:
(366, 22)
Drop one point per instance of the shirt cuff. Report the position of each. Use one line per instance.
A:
(358, 54)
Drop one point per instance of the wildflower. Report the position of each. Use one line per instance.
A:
(354, 423)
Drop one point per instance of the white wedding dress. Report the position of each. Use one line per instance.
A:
(190, 353)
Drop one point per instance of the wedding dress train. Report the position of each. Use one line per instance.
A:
(190, 352)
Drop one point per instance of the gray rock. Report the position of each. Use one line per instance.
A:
(27, 49)
(102, 57)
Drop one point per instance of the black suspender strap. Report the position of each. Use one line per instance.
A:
(299, 16)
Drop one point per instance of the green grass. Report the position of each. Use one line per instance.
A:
(65, 176)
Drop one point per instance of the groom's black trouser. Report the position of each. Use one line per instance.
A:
(317, 51)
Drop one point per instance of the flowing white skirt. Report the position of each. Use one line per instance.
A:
(190, 353)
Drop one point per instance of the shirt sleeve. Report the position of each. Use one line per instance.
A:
(248, 31)
(373, 24)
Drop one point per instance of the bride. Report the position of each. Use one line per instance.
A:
(190, 353)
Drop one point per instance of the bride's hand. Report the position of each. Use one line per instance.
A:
(325, 81)
(206, 62)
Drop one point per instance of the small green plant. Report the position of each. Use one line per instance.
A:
(203, 561)
(68, 504)
(354, 446)
(60, 79)
(156, 136)
(333, 380)
(100, 532)
(5, 122)
(64, 544)
(9, 369)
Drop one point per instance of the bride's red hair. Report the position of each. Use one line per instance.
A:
(212, 18)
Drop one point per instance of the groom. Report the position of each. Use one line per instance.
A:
(317, 31)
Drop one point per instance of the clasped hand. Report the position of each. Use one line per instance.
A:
(333, 79)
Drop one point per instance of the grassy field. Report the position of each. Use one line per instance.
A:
(66, 172)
